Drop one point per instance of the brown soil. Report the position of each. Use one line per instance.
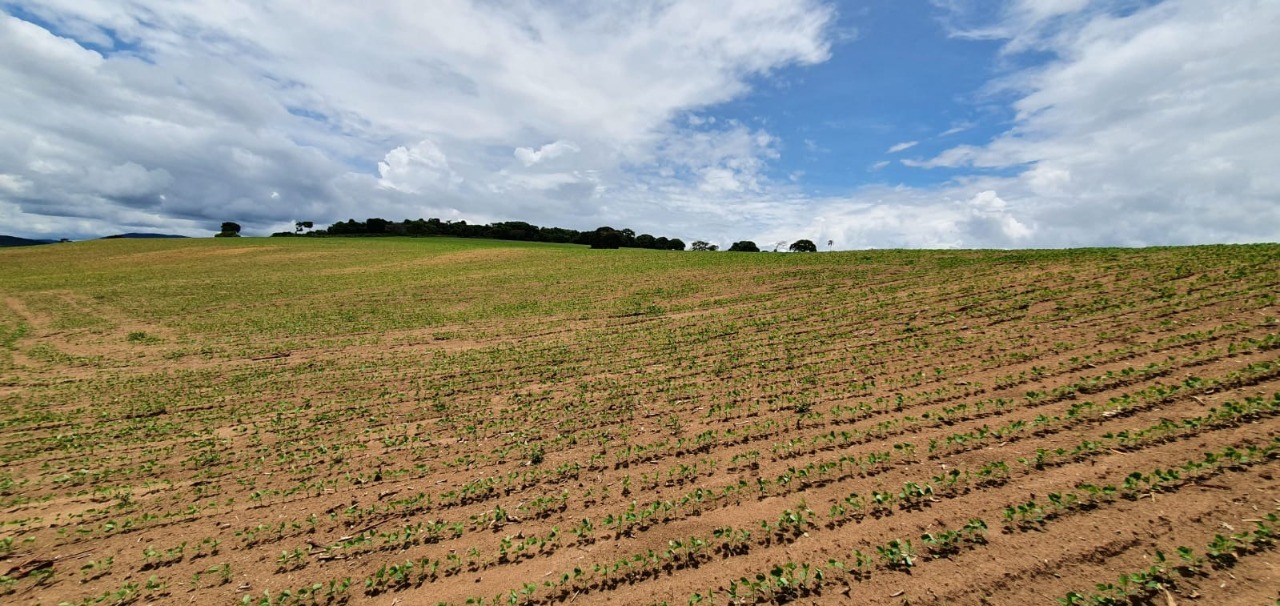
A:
(208, 478)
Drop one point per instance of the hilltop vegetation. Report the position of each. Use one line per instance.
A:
(315, 420)
(601, 237)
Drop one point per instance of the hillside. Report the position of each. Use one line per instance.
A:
(141, 236)
(440, 420)
(7, 241)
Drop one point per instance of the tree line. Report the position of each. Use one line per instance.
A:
(602, 237)
(749, 246)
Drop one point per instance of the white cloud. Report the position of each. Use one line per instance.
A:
(1044, 179)
(958, 128)
(1022, 24)
(234, 102)
(417, 169)
(1152, 126)
(990, 213)
(529, 156)
(722, 180)
(1037, 10)
(905, 145)
(1147, 124)
(127, 180)
(960, 155)
(14, 184)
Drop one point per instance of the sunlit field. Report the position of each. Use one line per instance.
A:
(421, 421)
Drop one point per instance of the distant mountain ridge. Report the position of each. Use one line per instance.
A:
(138, 235)
(10, 241)
(16, 241)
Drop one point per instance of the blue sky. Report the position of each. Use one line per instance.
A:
(895, 77)
(885, 123)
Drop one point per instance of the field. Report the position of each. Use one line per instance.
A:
(396, 421)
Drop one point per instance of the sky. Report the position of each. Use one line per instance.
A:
(863, 124)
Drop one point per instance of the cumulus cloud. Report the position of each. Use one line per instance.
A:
(1131, 123)
(218, 105)
(1151, 126)
(417, 169)
(529, 156)
(990, 219)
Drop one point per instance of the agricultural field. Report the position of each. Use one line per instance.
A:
(397, 421)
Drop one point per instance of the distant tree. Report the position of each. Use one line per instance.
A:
(804, 246)
(230, 229)
(557, 234)
(514, 230)
(606, 238)
(744, 246)
(346, 228)
(701, 245)
(603, 237)
(396, 229)
(298, 226)
(417, 227)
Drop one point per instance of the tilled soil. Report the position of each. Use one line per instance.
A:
(812, 435)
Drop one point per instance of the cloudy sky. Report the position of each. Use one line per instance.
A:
(876, 123)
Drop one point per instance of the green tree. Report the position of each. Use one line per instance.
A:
(804, 246)
(744, 246)
(628, 237)
(230, 229)
(606, 237)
